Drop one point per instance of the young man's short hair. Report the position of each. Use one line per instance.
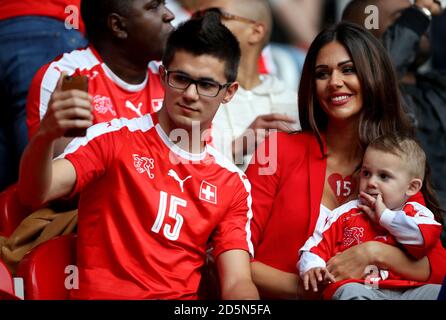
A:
(205, 35)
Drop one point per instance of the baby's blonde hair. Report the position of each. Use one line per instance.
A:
(407, 148)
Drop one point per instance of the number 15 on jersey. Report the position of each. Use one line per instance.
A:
(171, 233)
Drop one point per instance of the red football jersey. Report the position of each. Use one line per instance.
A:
(112, 97)
(413, 227)
(147, 209)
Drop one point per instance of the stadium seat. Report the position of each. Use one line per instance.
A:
(12, 211)
(6, 284)
(48, 270)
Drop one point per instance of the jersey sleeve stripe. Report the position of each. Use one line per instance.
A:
(143, 124)
(423, 215)
(69, 63)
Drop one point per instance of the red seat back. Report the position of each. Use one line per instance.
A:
(6, 283)
(48, 269)
(12, 211)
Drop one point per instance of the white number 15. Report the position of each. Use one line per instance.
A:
(169, 232)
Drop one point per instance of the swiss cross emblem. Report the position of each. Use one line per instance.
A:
(208, 192)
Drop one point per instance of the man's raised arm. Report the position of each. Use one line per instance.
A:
(41, 179)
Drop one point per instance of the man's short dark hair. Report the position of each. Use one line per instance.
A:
(95, 14)
(205, 35)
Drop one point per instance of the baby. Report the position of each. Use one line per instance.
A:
(392, 171)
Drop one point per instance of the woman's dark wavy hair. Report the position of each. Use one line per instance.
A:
(382, 110)
(430, 196)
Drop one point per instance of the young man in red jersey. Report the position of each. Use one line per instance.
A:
(151, 191)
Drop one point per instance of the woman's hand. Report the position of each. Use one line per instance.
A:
(356, 261)
(353, 262)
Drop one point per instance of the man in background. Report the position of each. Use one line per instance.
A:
(263, 102)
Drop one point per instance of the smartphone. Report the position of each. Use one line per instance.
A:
(80, 83)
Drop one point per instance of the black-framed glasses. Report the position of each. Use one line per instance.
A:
(224, 15)
(182, 81)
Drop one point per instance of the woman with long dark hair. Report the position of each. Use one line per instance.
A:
(348, 96)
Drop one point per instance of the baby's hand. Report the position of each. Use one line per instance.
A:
(314, 276)
(374, 208)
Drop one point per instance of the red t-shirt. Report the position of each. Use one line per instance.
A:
(147, 209)
(112, 97)
(413, 227)
(58, 9)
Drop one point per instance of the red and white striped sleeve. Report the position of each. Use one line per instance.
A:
(414, 227)
(321, 246)
(45, 81)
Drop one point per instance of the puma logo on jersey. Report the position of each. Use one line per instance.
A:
(144, 164)
(174, 175)
(131, 106)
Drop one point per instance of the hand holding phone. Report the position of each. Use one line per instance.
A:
(80, 83)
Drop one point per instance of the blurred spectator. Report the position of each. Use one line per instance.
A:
(301, 18)
(124, 37)
(31, 34)
(183, 9)
(263, 102)
(339, 7)
(439, 42)
(403, 28)
(288, 62)
(283, 60)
